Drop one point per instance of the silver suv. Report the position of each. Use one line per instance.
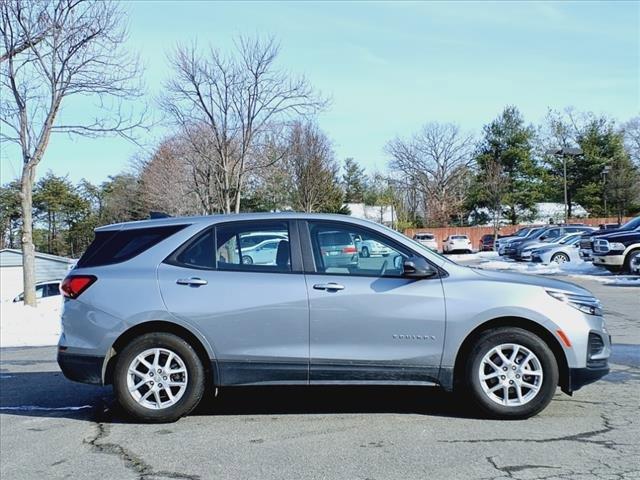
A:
(163, 308)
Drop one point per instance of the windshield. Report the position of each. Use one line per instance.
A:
(535, 233)
(522, 232)
(631, 224)
(570, 239)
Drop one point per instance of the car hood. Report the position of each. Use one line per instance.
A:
(534, 280)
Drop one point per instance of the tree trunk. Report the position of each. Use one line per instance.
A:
(28, 249)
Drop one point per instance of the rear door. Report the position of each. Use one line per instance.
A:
(367, 322)
(255, 316)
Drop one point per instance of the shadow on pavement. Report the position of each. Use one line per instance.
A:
(49, 394)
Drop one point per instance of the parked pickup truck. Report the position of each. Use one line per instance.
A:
(617, 251)
(586, 241)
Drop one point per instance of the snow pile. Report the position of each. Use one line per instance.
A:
(470, 257)
(623, 281)
(573, 269)
(27, 326)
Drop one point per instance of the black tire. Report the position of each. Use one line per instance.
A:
(247, 260)
(365, 252)
(195, 378)
(627, 261)
(519, 336)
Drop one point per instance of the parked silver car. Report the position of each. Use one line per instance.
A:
(566, 250)
(162, 308)
(526, 253)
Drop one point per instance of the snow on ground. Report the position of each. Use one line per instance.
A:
(579, 269)
(28, 326)
(624, 281)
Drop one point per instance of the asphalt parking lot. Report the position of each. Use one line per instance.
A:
(53, 428)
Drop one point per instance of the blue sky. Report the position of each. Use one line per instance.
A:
(391, 67)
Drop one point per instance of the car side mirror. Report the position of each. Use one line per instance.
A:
(417, 267)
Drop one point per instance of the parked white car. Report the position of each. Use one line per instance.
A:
(46, 289)
(371, 248)
(264, 253)
(427, 239)
(457, 243)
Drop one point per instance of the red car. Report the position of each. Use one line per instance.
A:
(486, 243)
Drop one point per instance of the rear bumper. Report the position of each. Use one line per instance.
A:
(579, 377)
(81, 368)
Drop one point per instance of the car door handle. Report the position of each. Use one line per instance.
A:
(193, 281)
(328, 286)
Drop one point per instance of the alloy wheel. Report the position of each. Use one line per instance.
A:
(157, 378)
(510, 375)
(560, 258)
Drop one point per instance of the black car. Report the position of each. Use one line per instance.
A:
(618, 251)
(586, 241)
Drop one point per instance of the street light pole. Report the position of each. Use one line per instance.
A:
(605, 171)
(566, 204)
(565, 152)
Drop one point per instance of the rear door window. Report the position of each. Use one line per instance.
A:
(237, 249)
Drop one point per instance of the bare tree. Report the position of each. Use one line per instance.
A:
(233, 100)
(631, 131)
(312, 170)
(167, 180)
(436, 160)
(52, 51)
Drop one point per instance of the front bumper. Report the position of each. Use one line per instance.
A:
(579, 377)
(79, 367)
(609, 260)
(586, 254)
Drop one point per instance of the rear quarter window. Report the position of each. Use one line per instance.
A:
(110, 247)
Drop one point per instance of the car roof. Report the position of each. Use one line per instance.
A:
(211, 219)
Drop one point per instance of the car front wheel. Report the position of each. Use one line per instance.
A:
(158, 377)
(632, 261)
(511, 373)
(560, 258)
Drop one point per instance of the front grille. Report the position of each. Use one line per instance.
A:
(585, 243)
(601, 246)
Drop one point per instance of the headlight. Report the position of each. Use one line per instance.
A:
(617, 246)
(585, 303)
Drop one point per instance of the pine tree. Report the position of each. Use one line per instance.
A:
(353, 181)
(507, 147)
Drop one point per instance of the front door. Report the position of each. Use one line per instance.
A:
(368, 324)
(249, 303)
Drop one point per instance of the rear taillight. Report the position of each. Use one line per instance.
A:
(73, 285)
(349, 250)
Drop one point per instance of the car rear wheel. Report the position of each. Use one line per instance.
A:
(247, 260)
(158, 377)
(511, 373)
(365, 252)
(560, 258)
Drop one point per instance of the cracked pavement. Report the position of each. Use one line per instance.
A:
(53, 428)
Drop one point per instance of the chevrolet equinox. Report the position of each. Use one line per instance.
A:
(163, 308)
